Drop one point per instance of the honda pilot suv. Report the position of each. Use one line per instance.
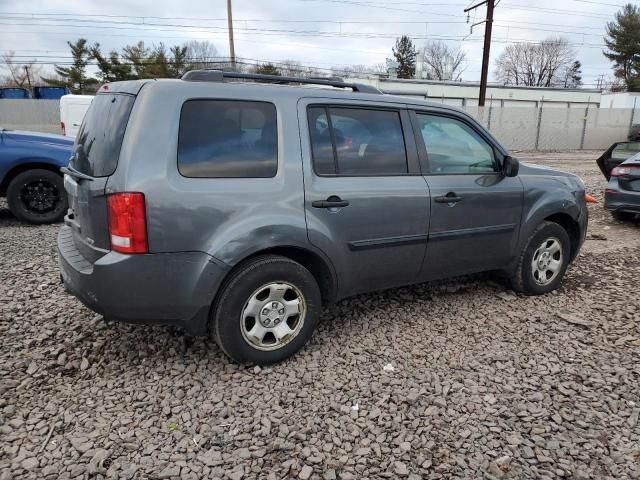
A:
(238, 209)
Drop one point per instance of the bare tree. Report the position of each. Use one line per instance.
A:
(535, 64)
(200, 54)
(351, 70)
(442, 62)
(21, 74)
(293, 68)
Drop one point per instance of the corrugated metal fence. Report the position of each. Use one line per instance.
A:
(518, 128)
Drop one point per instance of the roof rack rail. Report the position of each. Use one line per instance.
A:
(211, 75)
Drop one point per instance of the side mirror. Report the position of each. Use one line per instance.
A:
(510, 166)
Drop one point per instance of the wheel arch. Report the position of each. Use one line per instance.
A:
(571, 226)
(319, 266)
(24, 167)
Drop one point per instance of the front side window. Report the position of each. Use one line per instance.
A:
(227, 139)
(454, 147)
(353, 141)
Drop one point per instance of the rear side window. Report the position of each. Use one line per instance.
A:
(357, 142)
(100, 137)
(228, 139)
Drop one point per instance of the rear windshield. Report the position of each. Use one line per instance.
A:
(100, 137)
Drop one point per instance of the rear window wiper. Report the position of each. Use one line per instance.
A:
(75, 173)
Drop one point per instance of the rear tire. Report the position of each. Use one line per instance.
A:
(267, 311)
(543, 261)
(37, 196)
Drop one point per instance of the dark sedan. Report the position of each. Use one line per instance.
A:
(622, 196)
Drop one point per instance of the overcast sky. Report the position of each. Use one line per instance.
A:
(315, 32)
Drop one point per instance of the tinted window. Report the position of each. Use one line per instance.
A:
(227, 139)
(454, 147)
(350, 141)
(100, 137)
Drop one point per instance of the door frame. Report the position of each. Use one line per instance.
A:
(499, 152)
(414, 171)
(414, 164)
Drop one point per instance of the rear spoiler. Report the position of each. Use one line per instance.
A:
(131, 87)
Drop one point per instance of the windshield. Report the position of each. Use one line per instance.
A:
(100, 137)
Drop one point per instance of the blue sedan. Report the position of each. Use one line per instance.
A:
(30, 175)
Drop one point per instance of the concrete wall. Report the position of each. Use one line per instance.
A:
(553, 127)
(34, 115)
(620, 100)
(466, 93)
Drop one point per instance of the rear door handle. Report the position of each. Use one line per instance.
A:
(448, 198)
(332, 202)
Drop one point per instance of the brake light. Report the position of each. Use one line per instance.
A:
(127, 222)
(590, 198)
(622, 170)
(64, 132)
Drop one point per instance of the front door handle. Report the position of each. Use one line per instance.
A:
(450, 197)
(332, 202)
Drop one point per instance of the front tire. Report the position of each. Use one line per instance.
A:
(37, 196)
(543, 261)
(266, 311)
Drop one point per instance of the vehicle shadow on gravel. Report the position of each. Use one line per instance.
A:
(159, 343)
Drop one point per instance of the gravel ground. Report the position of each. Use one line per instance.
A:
(459, 379)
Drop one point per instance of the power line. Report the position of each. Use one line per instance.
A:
(366, 35)
(385, 6)
(147, 26)
(601, 3)
(36, 17)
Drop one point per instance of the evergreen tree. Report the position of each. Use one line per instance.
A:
(75, 76)
(178, 65)
(573, 75)
(267, 69)
(138, 56)
(623, 44)
(405, 54)
(111, 68)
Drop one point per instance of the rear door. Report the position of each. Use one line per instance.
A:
(475, 209)
(366, 203)
(95, 157)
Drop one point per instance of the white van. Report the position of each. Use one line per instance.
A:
(72, 110)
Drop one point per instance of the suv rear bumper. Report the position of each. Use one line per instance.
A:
(158, 288)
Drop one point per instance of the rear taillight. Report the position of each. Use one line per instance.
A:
(622, 170)
(64, 132)
(590, 198)
(127, 222)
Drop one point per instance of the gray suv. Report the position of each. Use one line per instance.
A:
(239, 209)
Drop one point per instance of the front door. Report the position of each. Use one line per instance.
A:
(475, 209)
(366, 202)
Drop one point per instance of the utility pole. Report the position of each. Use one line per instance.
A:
(232, 50)
(26, 69)
(487, 46)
